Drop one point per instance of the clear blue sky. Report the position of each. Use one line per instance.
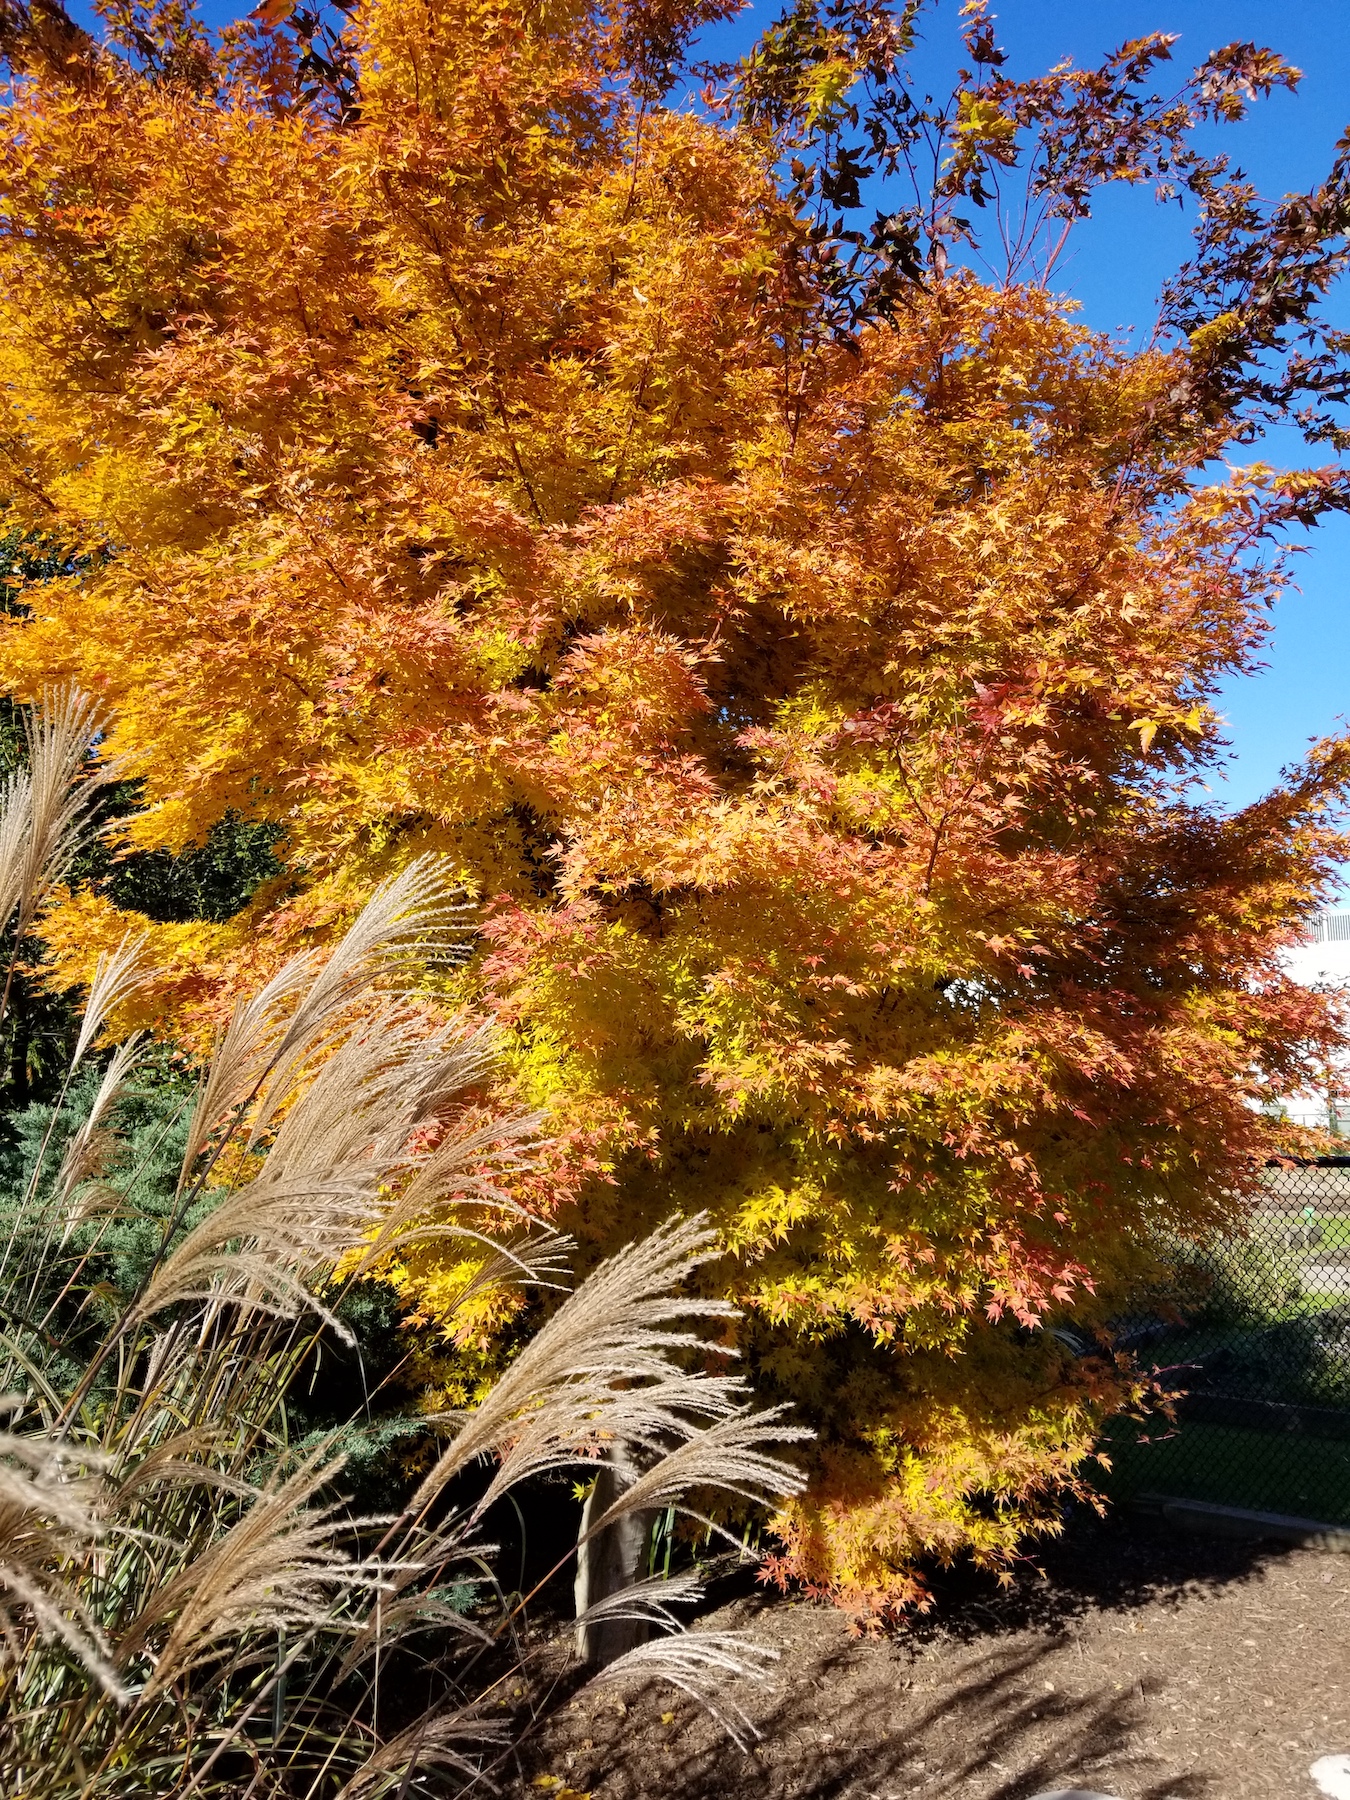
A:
(1119, 258)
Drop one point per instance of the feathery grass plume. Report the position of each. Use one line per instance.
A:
(701, 1664)
(361, 1103)
(728, 1454)
(263, 1249)
(328, 1192)
(298, 1018)
(115, 978)
(45, 820)
(46, 811)
(117, 975)
(649, 1601)
(452, 1741)
(241, 1057)
(419, 1212)
(49, 1498)
(277, 1567)
(604, 1371)
(61, 737)
(86, 1151)
(409, 1612)
(16, 823)
(582, 1376)
(414, 916)
(535, 1256)
(212, 1551)
(156, 1462)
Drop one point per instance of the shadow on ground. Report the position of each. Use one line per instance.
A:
(984, 1728)
(1111, 1564)
(1079, 1673)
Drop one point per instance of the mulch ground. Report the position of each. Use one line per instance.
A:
(1146, 1663)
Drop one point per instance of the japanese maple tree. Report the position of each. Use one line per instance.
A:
(805, 647)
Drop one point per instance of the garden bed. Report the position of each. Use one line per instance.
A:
(1147, 1664)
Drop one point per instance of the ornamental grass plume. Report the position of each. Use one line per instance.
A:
(625, 1322)
(701, 1664)
(189, 1604)
(48, 1517)
(47, 810)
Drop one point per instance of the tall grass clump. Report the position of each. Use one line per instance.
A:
(188, 1603)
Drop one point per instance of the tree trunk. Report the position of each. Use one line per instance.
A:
(607, 1563)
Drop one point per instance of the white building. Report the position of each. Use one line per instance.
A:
(1323, 960)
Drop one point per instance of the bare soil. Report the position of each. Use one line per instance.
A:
(1143, 1663)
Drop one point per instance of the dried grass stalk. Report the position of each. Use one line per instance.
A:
(61, 738)
(117, 976)
(453, 1740)
(49, 1514)
(277, 1569)
(600, 1368)
(701, 1664)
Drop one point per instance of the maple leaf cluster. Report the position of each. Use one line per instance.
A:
(816, 712)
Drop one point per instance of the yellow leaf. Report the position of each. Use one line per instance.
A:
(1147, 729)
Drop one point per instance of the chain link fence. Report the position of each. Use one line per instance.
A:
(1254, 1330)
